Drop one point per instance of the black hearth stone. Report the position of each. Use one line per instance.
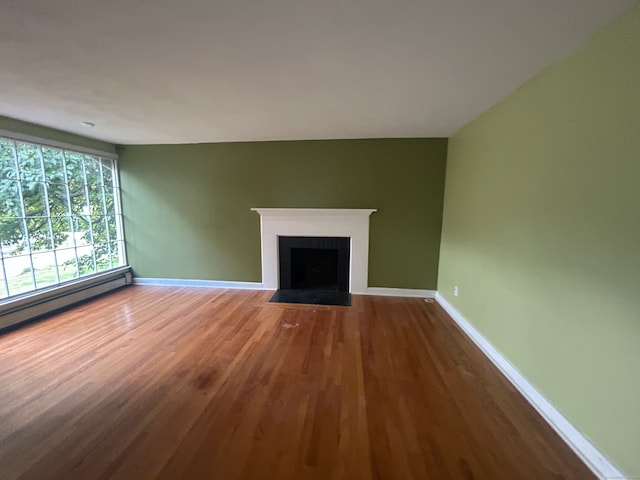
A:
(312, 297)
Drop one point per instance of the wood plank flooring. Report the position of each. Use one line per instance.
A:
(174, 383)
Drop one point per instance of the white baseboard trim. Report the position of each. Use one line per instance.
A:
(400, 292)
(589, 454)
(184, 282)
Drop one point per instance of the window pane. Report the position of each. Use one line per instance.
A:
(113, 227)
(99, 228)
(44, 265)
(29, 162)
(10, 200)
(75, 173)
(116, 253)
(39, 234)
(34, 199)
(107, 172)
(12, 236)
(86, 262)
(78, 199)
(3, 286)
(66, 259)
(53, 164)
(103, 261)
(95, 199)
(92, 170)
(7, 162)
(82, 234)
(58, 203)
(62, 232)
(19, 276)
(109, 200)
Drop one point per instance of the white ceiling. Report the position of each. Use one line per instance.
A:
(169, 71)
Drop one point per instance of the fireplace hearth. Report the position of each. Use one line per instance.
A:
(313, 270)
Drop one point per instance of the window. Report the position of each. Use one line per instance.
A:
(60, 216)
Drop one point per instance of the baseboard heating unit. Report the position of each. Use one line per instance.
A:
(35, 304)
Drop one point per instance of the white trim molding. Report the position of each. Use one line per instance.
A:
(185, 282)
(400, 292)
(588, 453)
(316, 222)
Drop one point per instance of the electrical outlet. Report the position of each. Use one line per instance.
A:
(455, 291)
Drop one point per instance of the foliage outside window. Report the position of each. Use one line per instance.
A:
(59, 216)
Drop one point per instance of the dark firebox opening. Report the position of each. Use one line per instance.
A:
(314, 270)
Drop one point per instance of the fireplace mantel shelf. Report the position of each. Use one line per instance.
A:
(316, 222)
(304, 212)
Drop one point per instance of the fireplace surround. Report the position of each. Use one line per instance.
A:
(315, 222)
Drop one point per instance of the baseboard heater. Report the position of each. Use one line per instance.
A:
(36, 304)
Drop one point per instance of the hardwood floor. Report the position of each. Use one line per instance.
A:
(170, 383)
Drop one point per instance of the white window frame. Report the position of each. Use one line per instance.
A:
(91, 278)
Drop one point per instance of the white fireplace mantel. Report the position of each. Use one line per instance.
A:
(316, 222)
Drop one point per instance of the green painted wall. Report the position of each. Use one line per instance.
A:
(542, 235)
(187, 214)
(47, 133)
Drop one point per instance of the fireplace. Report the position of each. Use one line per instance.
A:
(314, 270)
(352, 224)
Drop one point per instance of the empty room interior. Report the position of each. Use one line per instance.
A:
(320, 240)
